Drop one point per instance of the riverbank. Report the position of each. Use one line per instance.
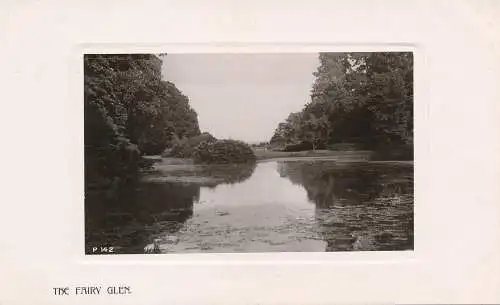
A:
(170, 163)
(160, 169)
(264, 155)
(185, 170)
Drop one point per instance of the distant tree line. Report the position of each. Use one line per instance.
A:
(129, 112)
(260, 144)
(361, 98)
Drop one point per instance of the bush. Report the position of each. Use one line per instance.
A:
(186, 147)
(223, 152)
(298, 147)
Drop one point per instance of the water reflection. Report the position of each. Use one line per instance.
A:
(134, 215)
(359, 206)
(202, 175)
(271, 206)
(265, 213)
(128, 219)
(229, 173)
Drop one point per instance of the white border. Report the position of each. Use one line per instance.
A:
(369, 257)
(457, 167)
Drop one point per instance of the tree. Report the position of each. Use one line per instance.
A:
(129, 111)
(362, 98)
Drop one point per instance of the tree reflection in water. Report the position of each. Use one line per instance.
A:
(130, 217)
(228, 173)
(359, 206)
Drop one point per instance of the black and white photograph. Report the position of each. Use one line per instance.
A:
(250, 152)
(263, 152)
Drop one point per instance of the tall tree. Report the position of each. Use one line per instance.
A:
(129, 111)
(363, 98)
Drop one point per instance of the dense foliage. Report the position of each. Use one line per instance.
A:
(223, 152)
(361, 98)
(305, 145)
(185, 147)
(129, 111)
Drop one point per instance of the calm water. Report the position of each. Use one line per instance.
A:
(276, 206)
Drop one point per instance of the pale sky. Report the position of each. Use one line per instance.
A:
(242, 96)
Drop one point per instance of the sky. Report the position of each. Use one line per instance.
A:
(242, 96)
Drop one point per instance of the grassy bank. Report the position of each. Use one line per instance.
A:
(186, 170)
(263, 154)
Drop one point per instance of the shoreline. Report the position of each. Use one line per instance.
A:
(267, 156)
(184, 170)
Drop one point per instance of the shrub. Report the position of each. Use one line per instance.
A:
(298, 147)
(185, 147)
(223, 152)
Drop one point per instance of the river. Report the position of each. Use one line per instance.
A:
(277, 206)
